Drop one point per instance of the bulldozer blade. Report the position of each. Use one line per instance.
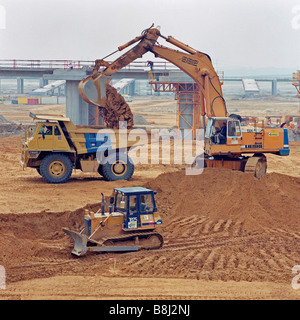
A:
(80, 242)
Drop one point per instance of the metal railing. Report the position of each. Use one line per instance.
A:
(79, 64)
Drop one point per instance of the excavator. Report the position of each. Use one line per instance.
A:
(235, 149)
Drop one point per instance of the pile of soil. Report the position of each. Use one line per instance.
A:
(220, 225)
(271, 202)
(116, 109)
(138, 119)
(8, 127)
(3, 119)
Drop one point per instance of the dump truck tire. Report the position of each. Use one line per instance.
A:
(117, 167)
(56, 168)
(100, 170)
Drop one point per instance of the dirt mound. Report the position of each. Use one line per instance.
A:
(220, 225)
(138, 119)
(116, 109)
(3, 119)
(35, 239)
(8, 129)
(272, 201)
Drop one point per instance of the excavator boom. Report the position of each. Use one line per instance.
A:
(194, 63)
(225, 149)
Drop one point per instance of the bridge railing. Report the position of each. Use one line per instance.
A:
(79, 64)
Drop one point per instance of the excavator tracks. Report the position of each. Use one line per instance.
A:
(256, 165)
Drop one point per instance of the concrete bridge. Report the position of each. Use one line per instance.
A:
(73, 71)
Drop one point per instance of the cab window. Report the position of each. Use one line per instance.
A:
(234, 129)
(209, 128)
(146, 203)
(132, 204)
(121, 203)
(46, 130)
(56, 131)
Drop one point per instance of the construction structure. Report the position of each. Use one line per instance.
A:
(294, 120)
(296, 82)
(189, 98)
(250, 86)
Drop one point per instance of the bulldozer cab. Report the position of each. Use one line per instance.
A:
(138, 206)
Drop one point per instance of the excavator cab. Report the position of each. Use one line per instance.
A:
(223, 131)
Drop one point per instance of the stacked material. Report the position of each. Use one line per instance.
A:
(116, 109)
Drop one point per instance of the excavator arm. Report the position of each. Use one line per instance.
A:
(194, 63)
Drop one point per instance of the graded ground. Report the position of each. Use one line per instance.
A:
(227, 234)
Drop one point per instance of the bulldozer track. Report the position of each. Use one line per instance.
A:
(226, 246)
(132, 236)
(212, 249)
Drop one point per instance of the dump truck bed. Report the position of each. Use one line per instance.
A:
(87, 139)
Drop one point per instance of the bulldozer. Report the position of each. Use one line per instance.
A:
(130, 224)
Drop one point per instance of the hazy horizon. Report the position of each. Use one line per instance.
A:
(246, 35)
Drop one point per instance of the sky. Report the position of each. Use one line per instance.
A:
(235, 33)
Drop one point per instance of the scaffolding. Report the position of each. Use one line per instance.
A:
(296, 82)
(190, 99)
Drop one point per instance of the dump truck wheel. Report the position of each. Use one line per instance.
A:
(100, 170)
(117, 167)
(56, 168)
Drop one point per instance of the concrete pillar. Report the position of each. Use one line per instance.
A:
(76, 108)
(20, 85)
(274, 87)
(43, 82)
(132, 88)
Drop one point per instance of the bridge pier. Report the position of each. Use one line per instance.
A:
(20, 85)
(274, 87)
(43, 82)
(76, 108)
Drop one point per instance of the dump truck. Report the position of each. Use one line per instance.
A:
(131, 224)
(56, 146)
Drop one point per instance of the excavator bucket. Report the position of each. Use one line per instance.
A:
(93, 90)
(80, 242)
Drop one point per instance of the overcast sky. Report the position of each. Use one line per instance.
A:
(235, 33)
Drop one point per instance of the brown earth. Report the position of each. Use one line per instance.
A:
(116, 109)
(227, 234)
(233, 240)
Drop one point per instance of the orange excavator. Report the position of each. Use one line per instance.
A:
(226, 144)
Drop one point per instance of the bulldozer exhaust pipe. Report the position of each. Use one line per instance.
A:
(102, 204)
